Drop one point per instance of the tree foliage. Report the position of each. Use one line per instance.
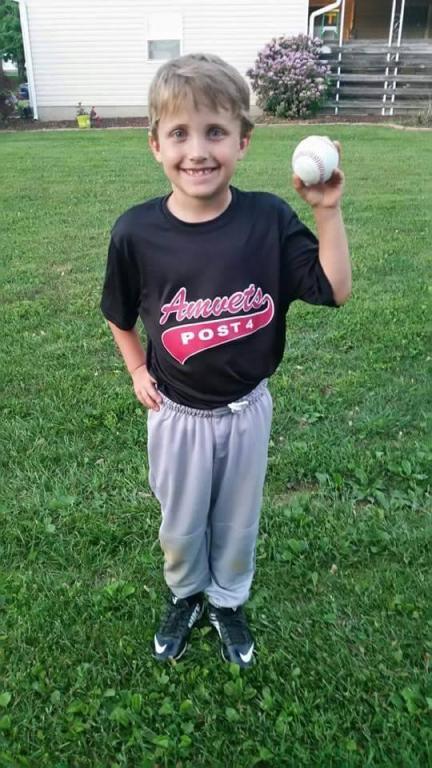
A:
(11, 45)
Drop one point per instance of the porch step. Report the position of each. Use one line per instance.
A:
(420, 46)
(358, 77)
(366, 106)
(380, 61)
(402, 92)
(390, 78)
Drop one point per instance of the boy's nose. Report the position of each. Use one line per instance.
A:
(197, 151)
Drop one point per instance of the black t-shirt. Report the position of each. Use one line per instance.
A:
(212, 296)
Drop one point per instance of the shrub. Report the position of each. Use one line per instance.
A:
(424, 117)
(288, 76)
(7, 101)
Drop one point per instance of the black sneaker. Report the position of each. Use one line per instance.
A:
(237, 642)
(170, 642)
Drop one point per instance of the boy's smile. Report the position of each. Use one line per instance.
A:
(199, 149)
(199, 171)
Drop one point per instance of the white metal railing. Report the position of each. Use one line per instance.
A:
(341, 27)
(396, 25)
(321, 12)
(340, 6)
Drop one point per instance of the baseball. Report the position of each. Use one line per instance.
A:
(315, 159)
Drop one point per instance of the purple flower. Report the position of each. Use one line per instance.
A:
(289, 77)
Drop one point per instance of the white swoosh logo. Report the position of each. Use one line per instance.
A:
(246, 657)
(160, 648)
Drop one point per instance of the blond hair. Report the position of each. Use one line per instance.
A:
(208, 80)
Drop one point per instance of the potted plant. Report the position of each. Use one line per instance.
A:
(82, 116)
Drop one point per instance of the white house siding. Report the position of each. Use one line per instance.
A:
(95, 51)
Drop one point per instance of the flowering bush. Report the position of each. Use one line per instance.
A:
(288, 76)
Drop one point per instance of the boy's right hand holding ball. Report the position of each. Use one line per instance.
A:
(319, 181)
(317, 178)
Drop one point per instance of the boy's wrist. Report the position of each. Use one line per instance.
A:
(319, 207)
(132, 371)
(326, 213)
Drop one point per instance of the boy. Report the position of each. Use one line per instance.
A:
(212, 271)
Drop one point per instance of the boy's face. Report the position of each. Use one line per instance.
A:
(199, 149)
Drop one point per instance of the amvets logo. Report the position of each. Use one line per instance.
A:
(189, 339)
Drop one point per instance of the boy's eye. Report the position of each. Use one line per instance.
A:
(216, 132)
(178, 133)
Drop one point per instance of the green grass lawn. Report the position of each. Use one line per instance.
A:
(342, 602)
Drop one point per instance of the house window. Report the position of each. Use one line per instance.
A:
(164, 36)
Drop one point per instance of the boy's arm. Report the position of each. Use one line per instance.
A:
(333, 245)
(333, 251)
(133, 354)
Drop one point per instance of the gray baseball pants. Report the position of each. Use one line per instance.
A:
(207, 469)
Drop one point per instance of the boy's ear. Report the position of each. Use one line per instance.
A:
(244, 144)
(154, 146)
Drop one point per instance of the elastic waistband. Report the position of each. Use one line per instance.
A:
(227, 410)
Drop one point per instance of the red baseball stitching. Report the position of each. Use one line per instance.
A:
(318, 161)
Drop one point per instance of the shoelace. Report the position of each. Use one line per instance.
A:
(233, 626)
(175, 622)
